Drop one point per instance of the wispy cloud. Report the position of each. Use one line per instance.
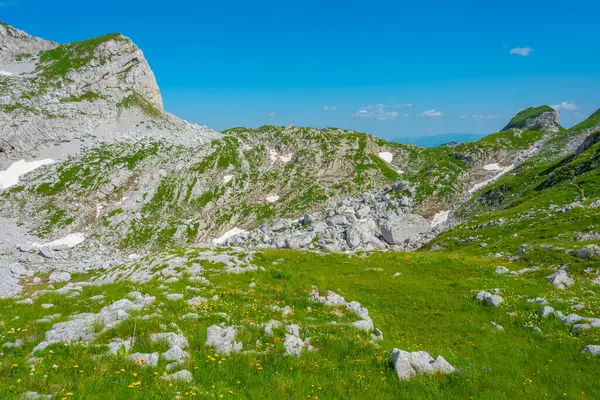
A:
(521, 51)
(272, 114)
(489, 116)
(330, 108)
(380, 112)
(463, 117)
(565, 105)
(431, 113)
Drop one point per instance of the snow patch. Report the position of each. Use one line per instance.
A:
(492, 167)
(227, 178)
(440, 218)
(274, 156)
(5, 73)
(230, 233)
(10, 177)
(272, 199)
(503, 171)
(71, 240)
(386, 156)
(400, 171)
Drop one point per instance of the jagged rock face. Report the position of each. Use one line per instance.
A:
(546, 122)
(96, 90)
(542, 118)
(15, 42)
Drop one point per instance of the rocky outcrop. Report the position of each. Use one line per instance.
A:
(79, 94)
(543, 118)
(16, 43)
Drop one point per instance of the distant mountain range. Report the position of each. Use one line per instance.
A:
(438, 140)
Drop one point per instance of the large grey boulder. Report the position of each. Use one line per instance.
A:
(560, 279)
(171, 338)
(408, 364)
(398, 229)
(546, 311)
(223, 339)
(59, 276)
(493, 300)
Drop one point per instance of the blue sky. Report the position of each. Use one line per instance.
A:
(435, 67)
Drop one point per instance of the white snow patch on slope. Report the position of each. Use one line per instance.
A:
(386, 156)
(5, 73)
(400, 171)
(274, 156)
(440, 218)
(272, 199)
(71, 240)
(230, 233)
(492, 167)
(227, 178)
(10, 176)
(503, 171)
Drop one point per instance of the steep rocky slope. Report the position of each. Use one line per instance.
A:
(78, 94)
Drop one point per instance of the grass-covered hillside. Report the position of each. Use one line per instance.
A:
(544, 208)
(419, 301)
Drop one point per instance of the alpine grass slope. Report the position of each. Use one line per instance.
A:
(145, 257)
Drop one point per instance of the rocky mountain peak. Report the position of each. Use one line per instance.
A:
(542, 118)
(14, 42)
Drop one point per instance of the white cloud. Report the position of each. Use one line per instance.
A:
(565, 105)
(380, 112)
(521, 51)
(431, 113)
(272, 114)
(330, 108)
(463, 117)
(489, 116)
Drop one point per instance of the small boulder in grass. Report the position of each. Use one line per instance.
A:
(408, 365)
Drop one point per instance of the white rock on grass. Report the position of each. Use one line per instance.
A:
(408, 364)
(496, 326)
(116, 344)
(493, 300)
(180, 376)
(560, 279)
(546, 311)
(171, 338)
(36, 395)
(59, 276)
(333, 299)
(592, 349)
(581, 327)
(500, 270)
(293, 345)
(145, 359)
(222, 339)
(83, 327)
(176, 354)
(11, 345)
(175, 296)
(25, 302)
